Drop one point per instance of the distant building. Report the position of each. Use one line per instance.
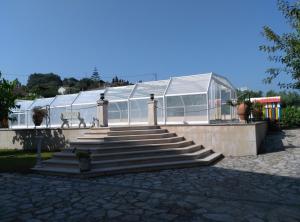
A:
(62, 90)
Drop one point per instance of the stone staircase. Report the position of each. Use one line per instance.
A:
(117, 150)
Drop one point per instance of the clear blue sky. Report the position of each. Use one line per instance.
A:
(133, 38)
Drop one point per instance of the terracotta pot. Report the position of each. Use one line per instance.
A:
(242, 111)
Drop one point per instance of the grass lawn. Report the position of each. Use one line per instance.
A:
(18, 160)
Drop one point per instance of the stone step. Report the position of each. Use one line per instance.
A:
(124, 142)
(155, 166)
(125, 128)
(146, 153)
(127, 160)
(59, 163)
(130, 148)
(131, 168)
(127, 137)
(127, 132)
(150, 159)
(57, 171)
(126, 153)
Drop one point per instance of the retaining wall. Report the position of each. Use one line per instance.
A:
(229, 139)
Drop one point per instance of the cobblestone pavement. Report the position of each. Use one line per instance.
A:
(254, 189)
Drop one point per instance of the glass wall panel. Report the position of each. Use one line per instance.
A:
(117, 112)
(186, 108)
(138, 111)
(87, 112)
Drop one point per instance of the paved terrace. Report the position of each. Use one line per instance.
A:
(262, 188)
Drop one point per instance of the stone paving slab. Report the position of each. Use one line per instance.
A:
(262, 188)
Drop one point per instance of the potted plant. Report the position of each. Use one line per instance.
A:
(257, 111)
(38, 115)
(243, 108)
(84, 158)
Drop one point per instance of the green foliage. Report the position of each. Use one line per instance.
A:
(7, 99)
(95, 76)
(287, 98)
(285, 48)
(243, 95)
(119, 82)
(45, 85)
(290, 117)
(82, 154)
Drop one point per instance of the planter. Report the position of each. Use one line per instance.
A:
(243, 111)
(84, 164)
(37, 119)
(38, 115)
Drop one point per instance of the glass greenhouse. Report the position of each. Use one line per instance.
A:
(193, 99)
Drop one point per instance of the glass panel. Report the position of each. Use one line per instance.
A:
(87, 112)
(189, 84)
(118, 93)
(186, 108)
(138, 110)
(42, 102)
(64, 100)
(88, 97)
(118, 112)
(154, 87)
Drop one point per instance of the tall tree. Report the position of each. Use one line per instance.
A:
(45, 85)
(95, 75)
(7, 99)
(285, 48)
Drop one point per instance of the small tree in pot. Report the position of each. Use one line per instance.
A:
(243, 108)
(84, 158)
(257, 111)
(38, 115)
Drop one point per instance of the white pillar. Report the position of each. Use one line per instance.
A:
(152, 112)
(102, 113)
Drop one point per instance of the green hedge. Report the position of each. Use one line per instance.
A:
(290, 117)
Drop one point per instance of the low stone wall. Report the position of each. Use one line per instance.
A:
(229, 139)
(54, 139)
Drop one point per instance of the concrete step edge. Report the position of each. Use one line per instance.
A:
(123, 141)
(147, 151)
(188, 155)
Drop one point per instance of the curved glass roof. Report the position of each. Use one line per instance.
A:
(63, 100)
(88, 97)
(189, 84)
(42, 102)
(144, 89)
(181, 85)
(23, 105)
(118, 93)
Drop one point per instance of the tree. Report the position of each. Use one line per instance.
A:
(285, 48)
(45, 85)
(7, 99)
(96, 76)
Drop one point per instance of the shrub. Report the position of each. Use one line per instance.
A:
(290, 117)
(82, 154)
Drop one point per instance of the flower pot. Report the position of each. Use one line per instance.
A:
(37, 119)
(84, 164)
(38, 115)
(243, 111)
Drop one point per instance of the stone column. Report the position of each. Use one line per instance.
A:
(152, 112)
(102, 113)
